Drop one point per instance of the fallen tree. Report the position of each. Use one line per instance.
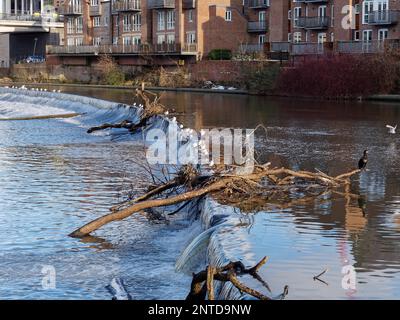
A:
(151, 106)
(264, 182)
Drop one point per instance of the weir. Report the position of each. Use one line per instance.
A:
(216, 244)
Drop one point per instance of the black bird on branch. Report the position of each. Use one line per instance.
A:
(362, 163)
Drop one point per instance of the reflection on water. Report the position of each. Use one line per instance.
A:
(69, 174)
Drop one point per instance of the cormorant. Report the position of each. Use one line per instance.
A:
(363, 161)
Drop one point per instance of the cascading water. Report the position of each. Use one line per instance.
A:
(203, 247)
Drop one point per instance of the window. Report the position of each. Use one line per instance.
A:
(332, 37)
(382, 34)
(297, 37)
(171, 20)
(190, 16)
(367, 35)
(127, 23)
(160, 20)
(191, 37)
(79, 25)
(115, 41)
(261, 39)
(289, 14)
(70, 42)
(126, 41)
(96, 41)
(321, 38)
(94, 3)
(96, 22)
(171, 38)
(79, 41)
(161, 39)
(296, 16)
(356, 35)
(228, 15)
(70, 26)
(105, 19)
(289, 37)
(368, 7)
(137, 22)
(136, 40)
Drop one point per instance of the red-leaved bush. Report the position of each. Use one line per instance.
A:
(341, 76)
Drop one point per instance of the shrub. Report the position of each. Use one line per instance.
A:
(220, 54)
(110, 72)
(345, 76)
(263, 79)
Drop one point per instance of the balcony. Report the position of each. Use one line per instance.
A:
(305, 48)
(189, 4)
(313, 1)
(258, 4)
(257, 26)
(126, 6)
(71, 10)
(385, 17)
(251, 48)
(316, 23)
(376, 46)
(137, 49)
(161, 4)
(283, 46)
(95, 10)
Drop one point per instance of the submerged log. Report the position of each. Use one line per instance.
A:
(203, 281)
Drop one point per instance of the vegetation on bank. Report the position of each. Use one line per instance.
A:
(333, 77)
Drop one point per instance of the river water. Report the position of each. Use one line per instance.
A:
(53, 176)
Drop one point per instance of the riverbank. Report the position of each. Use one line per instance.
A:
(380, 97)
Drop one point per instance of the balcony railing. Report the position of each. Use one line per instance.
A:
(257, 26)
(189, 4)
(383, 17)
(313, 22)
(95, 10)
(35, 17)
(280, 46)
(161, 4)
(71, 9)
(313, 1)
(126, 5)
(137, 49)
(304, 48)
(376, 46)
(255, 4)
(251, 48)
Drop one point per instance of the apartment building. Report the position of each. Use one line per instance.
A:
(168, 30)
(344, 26)
(26, 27)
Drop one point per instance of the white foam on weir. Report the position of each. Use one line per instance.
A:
(207, 246)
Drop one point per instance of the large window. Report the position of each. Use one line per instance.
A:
(160, 20)
(96, 22)
(70, 26)
(368, 7)
(79, 25)
(171, 20)
(191, 37)
(127, 23)
(296, 16)
(137, 22)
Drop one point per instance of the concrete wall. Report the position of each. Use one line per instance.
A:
(4, 50)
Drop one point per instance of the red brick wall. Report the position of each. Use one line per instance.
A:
(221, 71)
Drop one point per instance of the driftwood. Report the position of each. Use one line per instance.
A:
(203, 282)
(150, 108)
(238, 187)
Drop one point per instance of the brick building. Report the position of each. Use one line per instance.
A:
(135, 31)
(345, 26)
